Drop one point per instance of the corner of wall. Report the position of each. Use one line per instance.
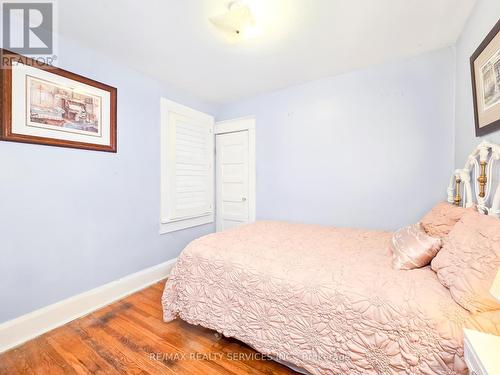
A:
(454, 102)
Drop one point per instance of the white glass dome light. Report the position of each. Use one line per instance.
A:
(237, 24)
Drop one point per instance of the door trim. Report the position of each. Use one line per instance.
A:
(237, 125)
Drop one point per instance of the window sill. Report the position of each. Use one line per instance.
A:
(185, 224)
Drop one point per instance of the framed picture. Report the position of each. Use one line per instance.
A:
(485, 69)
(46, 105)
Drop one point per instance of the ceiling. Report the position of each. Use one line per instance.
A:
(302, 40)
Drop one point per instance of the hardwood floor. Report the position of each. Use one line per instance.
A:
(130, 337)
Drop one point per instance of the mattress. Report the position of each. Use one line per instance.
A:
(324, 299)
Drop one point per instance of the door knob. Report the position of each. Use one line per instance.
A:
(243, 199)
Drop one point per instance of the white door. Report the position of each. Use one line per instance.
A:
(235, 178)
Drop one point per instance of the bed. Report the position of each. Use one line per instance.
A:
(325, 299)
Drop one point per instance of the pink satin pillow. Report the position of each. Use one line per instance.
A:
(413, 248)
(442, 218)
(468, 261)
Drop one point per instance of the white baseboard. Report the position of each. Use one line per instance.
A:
(26, 327)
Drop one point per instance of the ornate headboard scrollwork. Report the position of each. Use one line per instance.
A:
(478, 183)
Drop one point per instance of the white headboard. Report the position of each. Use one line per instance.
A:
(479, 181)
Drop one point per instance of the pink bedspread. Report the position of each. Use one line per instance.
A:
(322, 298)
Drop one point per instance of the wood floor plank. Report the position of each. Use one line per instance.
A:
(71, 346)
(148, 343)
(194, 349)
(12, 362)
(123, 349)
(146, 305)
(53, 358)
(189, 338)
(36, 361)
(130, 337)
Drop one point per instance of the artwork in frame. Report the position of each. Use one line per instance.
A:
(46, 105)
(485, 69)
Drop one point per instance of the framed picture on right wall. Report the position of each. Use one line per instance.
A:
(485, 69)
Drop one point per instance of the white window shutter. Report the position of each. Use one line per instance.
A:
(187, 164)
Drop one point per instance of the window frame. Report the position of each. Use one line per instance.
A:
(168, 148)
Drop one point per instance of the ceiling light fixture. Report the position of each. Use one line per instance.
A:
(237, 24)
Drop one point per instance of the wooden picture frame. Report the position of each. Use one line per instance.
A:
(485, 75)
(42, 104)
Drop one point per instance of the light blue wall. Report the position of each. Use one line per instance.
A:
(372, 148)
(72, 220)
(486, 13)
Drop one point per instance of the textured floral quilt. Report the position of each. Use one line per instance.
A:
(322, 298)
